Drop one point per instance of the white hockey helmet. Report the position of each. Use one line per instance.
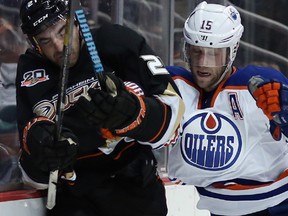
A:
(214, 26)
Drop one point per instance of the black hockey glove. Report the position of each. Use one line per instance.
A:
(117, 108)
(46, 153)
(142, 171)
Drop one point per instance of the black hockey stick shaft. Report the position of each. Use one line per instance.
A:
(60, 106)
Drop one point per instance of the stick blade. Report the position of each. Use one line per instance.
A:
(52, 189)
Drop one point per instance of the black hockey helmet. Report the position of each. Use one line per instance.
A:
(37, 15)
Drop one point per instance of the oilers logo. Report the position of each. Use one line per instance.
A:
(210, 141)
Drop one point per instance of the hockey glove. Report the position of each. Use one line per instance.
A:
(142, 171)
(118, 109)
(272, 97)
(48, 154)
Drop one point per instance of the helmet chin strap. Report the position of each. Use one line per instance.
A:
(227, 69)
(33, 43)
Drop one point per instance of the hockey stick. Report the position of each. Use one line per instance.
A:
(53, 178)
(91, 47)
(76, 9)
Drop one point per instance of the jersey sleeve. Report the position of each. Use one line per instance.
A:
(24, 110)
(164, 104)
(135, 61)
(24, 98)
(163, 97)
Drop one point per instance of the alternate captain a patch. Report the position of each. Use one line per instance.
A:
(210, 141)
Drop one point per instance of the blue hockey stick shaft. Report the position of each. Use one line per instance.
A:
(91, 46)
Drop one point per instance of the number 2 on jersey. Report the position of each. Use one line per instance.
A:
(154, 64)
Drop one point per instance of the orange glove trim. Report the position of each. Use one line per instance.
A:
(27, 128)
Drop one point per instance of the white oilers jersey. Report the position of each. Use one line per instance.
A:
(225, 147)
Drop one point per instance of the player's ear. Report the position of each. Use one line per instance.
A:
(77, 27)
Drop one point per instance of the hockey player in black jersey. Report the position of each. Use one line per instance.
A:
(107, 139)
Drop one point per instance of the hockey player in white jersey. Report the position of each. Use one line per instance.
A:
(233, 143)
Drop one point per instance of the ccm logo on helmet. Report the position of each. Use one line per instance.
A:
(40, 20)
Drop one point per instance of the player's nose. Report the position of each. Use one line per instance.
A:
(58, 44)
